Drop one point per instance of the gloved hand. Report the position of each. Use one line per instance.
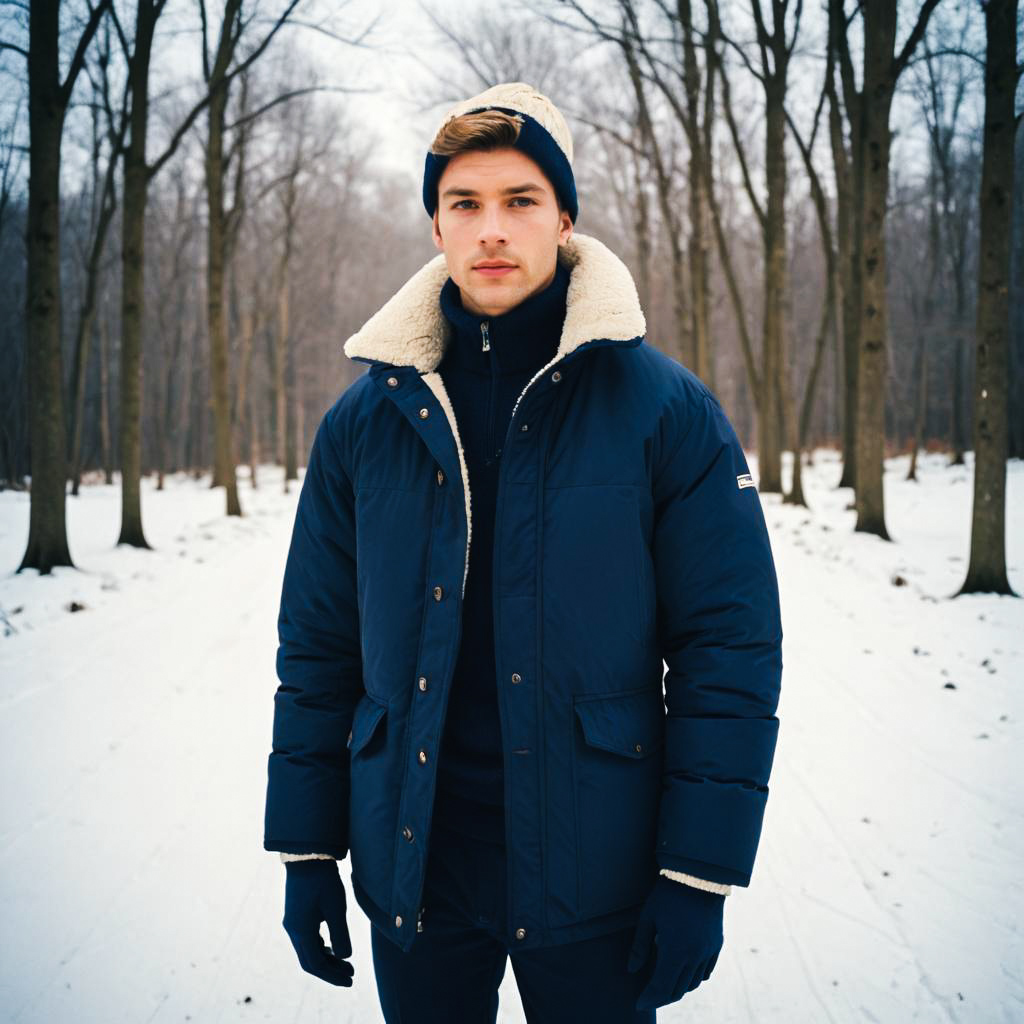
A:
(684, 924)
(314, 892)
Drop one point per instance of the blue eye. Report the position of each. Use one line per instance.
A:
(515, 199)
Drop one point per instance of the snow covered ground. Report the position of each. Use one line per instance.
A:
(134, 734)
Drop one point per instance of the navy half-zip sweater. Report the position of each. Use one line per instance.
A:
(488, 362)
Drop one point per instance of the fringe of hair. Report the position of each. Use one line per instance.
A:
(485, 129)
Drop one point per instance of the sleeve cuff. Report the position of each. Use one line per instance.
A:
(700, 883)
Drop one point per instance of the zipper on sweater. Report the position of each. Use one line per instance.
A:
(490, 456)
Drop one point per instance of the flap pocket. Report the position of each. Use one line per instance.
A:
(631, 724)
(368, 714)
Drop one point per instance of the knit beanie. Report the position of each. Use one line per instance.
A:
(543, 136)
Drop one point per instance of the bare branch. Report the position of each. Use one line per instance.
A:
(947, 52)
(737, 143)
(285, 97)
(357, 41)
(16, 49)
(194, 113)
(915, 36)
(83, 44)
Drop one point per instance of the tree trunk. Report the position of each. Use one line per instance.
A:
(987, 569)
(280, 356)
(698, 246)
(960, 370)
(922, 405)
(770, 411)
(872, 357)
(224, 461)
(47, 535)
(133, 252)
(105, 439)
(642, 235)
(848, 274)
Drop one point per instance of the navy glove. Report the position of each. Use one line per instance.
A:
(684, 924)
(314, 892)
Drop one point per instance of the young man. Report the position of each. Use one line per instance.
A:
(505, 527)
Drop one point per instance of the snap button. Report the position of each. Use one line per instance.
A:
(520, 933)
(438, 593)
(556, 376)
(407, 832)
(392, 382)
(525, 426)
(424, 413)
(398, 921)
(423, 757)
(516, 677)
(440, 477)
(423, 683)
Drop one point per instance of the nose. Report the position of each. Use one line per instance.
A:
(492, 227)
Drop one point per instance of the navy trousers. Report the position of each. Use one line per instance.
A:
(452, 972)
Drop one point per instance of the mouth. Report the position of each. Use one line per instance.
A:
(495, 268)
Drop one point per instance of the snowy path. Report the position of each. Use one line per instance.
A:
(135, 733)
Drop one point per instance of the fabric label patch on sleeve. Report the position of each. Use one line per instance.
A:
(744, 480)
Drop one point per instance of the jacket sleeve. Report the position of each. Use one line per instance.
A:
(319, 663)
(720, 632)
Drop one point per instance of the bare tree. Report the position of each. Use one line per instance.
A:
(48, 103)
(986, 571)
(103, 206)
(869, 111)
(772, 72)
(172, 319)
(219, 218)
(827, 319)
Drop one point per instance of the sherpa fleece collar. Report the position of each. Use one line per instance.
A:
(410, 329)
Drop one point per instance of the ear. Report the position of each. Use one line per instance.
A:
(436, 231)
(564, 227)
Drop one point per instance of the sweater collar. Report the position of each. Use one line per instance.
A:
(521, 338)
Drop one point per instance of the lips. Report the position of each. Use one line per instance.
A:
(494, 268)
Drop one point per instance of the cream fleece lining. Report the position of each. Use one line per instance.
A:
(699, 883)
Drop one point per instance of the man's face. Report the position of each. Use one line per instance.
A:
(498, 207)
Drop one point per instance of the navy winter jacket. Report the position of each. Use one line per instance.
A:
(627, 533)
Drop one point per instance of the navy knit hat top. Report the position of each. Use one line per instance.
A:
(543, 136)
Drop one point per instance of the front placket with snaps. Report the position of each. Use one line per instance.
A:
(439, 640)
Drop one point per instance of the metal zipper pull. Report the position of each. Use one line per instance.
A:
(487, 340)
